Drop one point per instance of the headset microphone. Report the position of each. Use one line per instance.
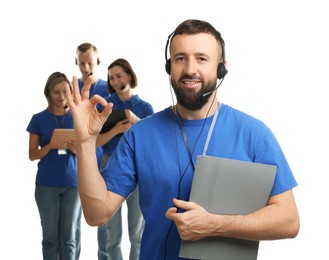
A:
(210, 92)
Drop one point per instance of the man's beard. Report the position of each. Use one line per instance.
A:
(190, 100)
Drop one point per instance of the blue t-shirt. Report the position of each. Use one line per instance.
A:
(138, 106)
(153, 155)
(99, 88)
(54, 170)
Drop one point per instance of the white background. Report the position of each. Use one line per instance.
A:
(277, 54)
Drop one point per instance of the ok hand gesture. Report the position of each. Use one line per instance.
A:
(87, 120)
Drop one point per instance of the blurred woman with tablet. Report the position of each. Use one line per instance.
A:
(56, 190)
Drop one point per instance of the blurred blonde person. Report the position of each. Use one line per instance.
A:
(56, 185)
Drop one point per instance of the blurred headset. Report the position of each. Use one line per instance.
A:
(76, 61)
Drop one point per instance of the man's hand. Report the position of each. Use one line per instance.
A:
(87, 120)
(191, 224)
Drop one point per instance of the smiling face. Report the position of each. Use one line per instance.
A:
(87, 62)
(119, 79)
(57, 96)
(194, 61)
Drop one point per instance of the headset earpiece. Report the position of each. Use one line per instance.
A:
(221, 70)
(168, 66)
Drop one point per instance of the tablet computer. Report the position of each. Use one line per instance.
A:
(116, 116)
(60, 136)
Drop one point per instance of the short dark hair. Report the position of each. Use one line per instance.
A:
(193, 26)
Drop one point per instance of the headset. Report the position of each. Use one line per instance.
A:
(76, 61)
(221, 70)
